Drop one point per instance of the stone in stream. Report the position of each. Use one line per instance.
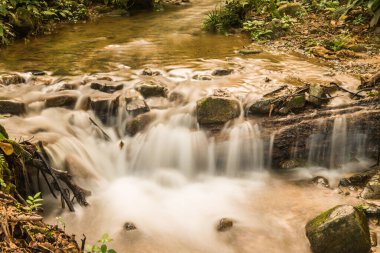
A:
(294, 103)
(214, 110)
(372, 188)
(291, 164)
(358, 179)
(105, 107)
(342, 229)
(139, 123)
(152, 90)
(62, 100)
(316, 95)
(371, 82)
(129, 226)
(222, 72)
(262, 107)
(224, 224)
(137, 106)
(8, 79)
(12, 107)
(106, 87)
(321, 181)
(149, 72)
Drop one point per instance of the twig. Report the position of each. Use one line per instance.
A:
(345, 90)
(83, 243)
(108, 138)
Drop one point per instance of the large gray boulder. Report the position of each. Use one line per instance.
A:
(342, 229)
(214, 110)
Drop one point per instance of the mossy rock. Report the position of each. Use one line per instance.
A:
(342, 229)
(217, 110)
(153, 90)
(262, 107)
(316, 95)
(291, 9)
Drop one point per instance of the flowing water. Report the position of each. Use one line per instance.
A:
(175, 181)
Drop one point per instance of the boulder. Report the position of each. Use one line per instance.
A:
(137, 107)
(106, 87)
(214, 110)
(152, 90)
(105, 107)
(321, 181)
(372, 188)
(291, 164)
(222, 72)
(262, 107)
(139, 123)
(342, 229)
(8, 79)
(12, 107)
(316, 95)
(291, 9)
(63, 100)
(293, 103)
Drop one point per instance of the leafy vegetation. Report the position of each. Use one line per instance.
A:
(102, 248)
(267, 19)
(33, 202)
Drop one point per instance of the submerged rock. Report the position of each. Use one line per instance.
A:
(105, 107)
(65, 100)
(12, 107)
(8, 79)
(222, 72)
(152, 90)
(139, 123)
(106, 87)
(137, 107)
(224, 224)
(217, 110)
(342, 229)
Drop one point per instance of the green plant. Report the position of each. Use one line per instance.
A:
(337, 43)
(33, 202)
(103, 248)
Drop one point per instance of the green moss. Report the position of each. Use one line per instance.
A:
(320, 219)
(216, 110)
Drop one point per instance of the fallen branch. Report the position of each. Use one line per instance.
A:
(345, 90)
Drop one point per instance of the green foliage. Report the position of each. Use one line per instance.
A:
(337, 43)
(33, 202)
(260, 30)
(103, 248)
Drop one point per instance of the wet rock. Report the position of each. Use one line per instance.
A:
(8, 79)
(291, 164)
(342, 229)
(152, 90)
(37, 72)
(202, 77)
(222, 72)
(69, 86)
(149, 72)
(372, 188)
(371, 82)
(321, 181)
(359, 179)
(316, 95)
(323, 52)
(130, 95)
(139, 123)
(294, 103)
(65, 100)
(224, 224)
(137, 107)
(370, 210)
(177, 96)
(249, 51)
(262, 107)
(217, 110)
(129, 226)
(291, 9)
(105, 107)
(106, 87)
(12, 107)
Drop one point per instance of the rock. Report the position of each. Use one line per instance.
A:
(149, 72)
(291, 9)
(36, 72)
(321, 181)
(137, 107)
(106, 87)
(224, 224)
(323, 52)
(139, 123)
(372, 188)
(105, 107)
(128, 226)
(250, 51)
(316, 95)
(262, 107)
(345, 53)
(65, 100)
(359, 48)
(202, 77)
(295, 102)
(291, 164)
(153, 90)
(342, 229)
(12, 107)
(371, 82)
(359, 179)
(370, 210)
(217, 110)
(373, 239)
(222, 72)
(8, 79)
(177, 97)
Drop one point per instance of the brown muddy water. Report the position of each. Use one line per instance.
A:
(173, 180)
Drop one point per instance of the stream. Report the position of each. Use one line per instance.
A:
(174, 180)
